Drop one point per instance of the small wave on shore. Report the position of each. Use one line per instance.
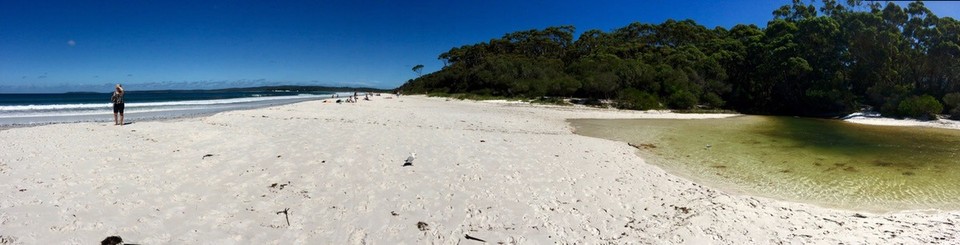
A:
(33, 114)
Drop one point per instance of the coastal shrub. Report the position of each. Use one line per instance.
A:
(682, 100)
(706, 111)
(634, 99)
(593, 102)
(923, 107)
(952, 102)
(889, 108)
(712, 100)
(472, 96)
(438, 94)
(550, 101)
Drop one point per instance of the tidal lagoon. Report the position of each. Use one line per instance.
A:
(825, 162)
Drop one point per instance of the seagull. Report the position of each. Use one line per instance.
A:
(409, 161)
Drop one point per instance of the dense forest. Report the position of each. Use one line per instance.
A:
(813, 60)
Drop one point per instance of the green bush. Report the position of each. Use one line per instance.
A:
(889, 108)
(471, 96)
(550, 101)
(634, 99)
(594, 102)
(713, 100)
(923, 107)
(952, 102)
(438, 94)
(706, 111)
(682, 100)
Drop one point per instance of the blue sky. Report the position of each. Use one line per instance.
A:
(56, 46)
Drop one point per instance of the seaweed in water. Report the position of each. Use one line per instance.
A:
(880, 163)
(752, 142)
(840, 166)
(642, 146)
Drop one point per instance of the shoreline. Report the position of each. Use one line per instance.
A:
(146, 116)
(650, 139)
(502, 173)
(876, 119)
(735, 190)
(109, 117)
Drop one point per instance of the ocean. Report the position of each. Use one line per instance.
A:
(34, 109)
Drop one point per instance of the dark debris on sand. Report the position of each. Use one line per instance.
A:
(112, 240)
(279, 186)
(468, 237)
(423, 226)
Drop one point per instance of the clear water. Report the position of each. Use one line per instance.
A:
(825, 162)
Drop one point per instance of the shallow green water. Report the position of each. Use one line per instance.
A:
(825, 162)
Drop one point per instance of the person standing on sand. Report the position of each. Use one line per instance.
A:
(117, 100)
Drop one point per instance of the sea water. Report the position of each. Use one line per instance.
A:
(31, 109)
(826, 162)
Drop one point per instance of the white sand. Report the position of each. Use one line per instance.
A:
(876, 119)
(501, 172)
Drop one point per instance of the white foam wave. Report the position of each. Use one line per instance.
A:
(95, 106)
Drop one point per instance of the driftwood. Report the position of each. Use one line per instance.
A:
(286, 214)
(473, 238)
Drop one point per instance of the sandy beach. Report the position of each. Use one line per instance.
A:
(500, 172)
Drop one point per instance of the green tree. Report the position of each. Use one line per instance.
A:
(682, 100)
(418, 69)
(806, 61)
(632, 98)
(952, 103)
(923, 107)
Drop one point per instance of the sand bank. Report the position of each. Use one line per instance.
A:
(876, 119)
(499, 172)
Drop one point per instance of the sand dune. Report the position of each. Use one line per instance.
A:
(499, 172)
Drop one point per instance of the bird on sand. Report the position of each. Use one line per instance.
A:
(409, 161)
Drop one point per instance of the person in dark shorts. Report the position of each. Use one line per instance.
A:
(117, 100)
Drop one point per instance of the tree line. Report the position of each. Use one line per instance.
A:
(809, 61)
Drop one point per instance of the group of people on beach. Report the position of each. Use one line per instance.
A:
(117, 99)
(353, 99)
